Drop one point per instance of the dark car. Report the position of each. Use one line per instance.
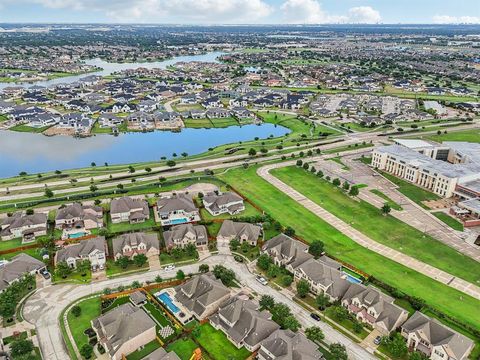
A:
(45, 273)
(315, 316)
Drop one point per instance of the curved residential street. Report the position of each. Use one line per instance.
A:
(43, 309)
(365, 241)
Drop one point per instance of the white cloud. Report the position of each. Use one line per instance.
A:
(447, 19)
(363, 15)
(169, 11)
(311, 12)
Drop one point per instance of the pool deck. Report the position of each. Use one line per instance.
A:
(171, 293)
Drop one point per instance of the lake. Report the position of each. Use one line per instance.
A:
(38, 153)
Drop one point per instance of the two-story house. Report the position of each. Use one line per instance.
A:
(240, 231)
(182, 235)
(93, 250)
(77, 219)
(435, 340)
(229, 202)
(135, 243)
(20, 225)
(287, 345)
(127, 209)
(178, 209)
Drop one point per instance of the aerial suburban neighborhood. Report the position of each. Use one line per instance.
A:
(234, 192)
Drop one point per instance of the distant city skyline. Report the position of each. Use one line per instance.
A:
(242, 11)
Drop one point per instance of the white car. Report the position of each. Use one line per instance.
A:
(262, 280)
(169, 268)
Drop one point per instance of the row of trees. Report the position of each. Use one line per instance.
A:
(13, 294)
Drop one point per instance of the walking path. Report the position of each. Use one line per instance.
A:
(365, 241)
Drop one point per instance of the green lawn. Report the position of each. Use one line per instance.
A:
(126, 226)
(389, 201)
(310, 227)
(10, 244)
(249, 211)
(386, 230)
(113, 269)
(450, 221)
(413, 192)
(346, 323)
(166, 259)
(25, 128)
(184, 348)
(471, 135)
(218, 346)
(224, 122)
(198, 123)
(90, 310)
(147, 349)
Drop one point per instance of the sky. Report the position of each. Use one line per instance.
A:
(242, 11)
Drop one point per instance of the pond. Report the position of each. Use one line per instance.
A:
(38, 153)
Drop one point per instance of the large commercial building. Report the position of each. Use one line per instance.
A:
(446, 169)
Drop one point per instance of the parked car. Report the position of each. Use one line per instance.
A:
(169, 268)
(377, 340)
(45, 274)
(315, 316)
(262, 280)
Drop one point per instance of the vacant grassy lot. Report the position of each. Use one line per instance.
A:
(90, 310)
(472, 135)
(411, 191)
(450, 221)
(218, 346)
(310, 227)
(386, 230)
(389, 201)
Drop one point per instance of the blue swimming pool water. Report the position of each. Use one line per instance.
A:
(77, 235)
(353, 279)
(167, 301)
(178, 221)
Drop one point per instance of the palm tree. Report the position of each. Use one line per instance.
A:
(386, 208)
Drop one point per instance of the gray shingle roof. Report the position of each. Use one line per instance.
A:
(81, 249)
(237, 229)
(17, 267)
(134, 239)
(287, 345)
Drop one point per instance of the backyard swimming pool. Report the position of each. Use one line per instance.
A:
(178, 221)
(166, 300)
(76, 235)
(352, 279)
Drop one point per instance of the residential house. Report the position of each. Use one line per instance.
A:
(229, 202)
(374, 308)
(123, 330)
(435, 340)
(161, 354)
(202, 295)
(127, 209)
(77, 216)
(132, 244)
(184, 234)
(243, 324)
(19, 266)
(178, 209)
(20, 225)
(287, 345)
(94, 250)
(286, 251)
(240, 231)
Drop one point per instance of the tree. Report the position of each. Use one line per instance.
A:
(180, 275)
(353, 191)
(131, 169)
(120, 186)
(158, 279)
(338, 351)
(76, 311)
(135, 284)
(316, 248)
(93, 164)
(299, 162)
(416, 355)
(264, 261)
(83, 267)
(184, 154)
(320, 173)
(280, 312)
(386, 208)
(252, 152)
(290, 322)
(266, 302)
(48, 193)
(227, 276)
(306, 166)
(63, 270)
(86, 351)
(289, 231)
(336, 182)
(148, 169)
(339, 313)
(314, 334)
(29, 212)
(396, 345)
(357, 327)
(191, 250)
(234, 244)
(93, 188)
(273, 271)
(286, 280)
(322, 301)
(303, 287)
(140, 260)
(346, 186)
(21, 347)
(171, 163)
(204, 268)
(123, 262)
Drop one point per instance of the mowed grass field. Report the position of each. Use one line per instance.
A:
(310, 227)
(472, 135)
(386, 230)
